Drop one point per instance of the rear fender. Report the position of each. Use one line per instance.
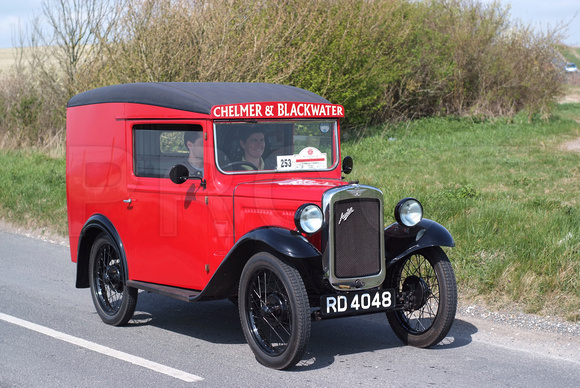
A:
(94, 226)
(401, 240)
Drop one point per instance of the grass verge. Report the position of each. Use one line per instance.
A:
(32, 191)
(505, 190)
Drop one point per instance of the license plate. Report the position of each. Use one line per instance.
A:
(357, 302)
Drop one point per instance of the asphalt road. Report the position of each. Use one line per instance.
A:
(51, 336)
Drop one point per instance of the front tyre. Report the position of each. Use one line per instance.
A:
(274, 311)
(114, 301)
(425, 283)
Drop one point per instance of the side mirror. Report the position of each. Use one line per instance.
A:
(178, 174)
(347, 164)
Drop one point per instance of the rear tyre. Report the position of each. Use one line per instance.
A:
(114, 301)
(426, 284)
(274, 311)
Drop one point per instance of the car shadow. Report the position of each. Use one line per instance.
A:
(218, 322)
(215, 321)
(367, 333)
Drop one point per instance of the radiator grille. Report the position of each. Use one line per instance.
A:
(357, 245)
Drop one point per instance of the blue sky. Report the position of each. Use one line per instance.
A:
(543, 13)
(540, 13)
(13, 11)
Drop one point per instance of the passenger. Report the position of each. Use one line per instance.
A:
(253, 145)
(193, 140)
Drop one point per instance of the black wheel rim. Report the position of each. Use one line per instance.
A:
(269, 313)
(108, 279)
(420, 319)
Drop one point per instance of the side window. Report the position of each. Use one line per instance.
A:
(158, 147)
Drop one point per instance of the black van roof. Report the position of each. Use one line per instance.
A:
(197, 97)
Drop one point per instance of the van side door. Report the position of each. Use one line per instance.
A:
(165, 231)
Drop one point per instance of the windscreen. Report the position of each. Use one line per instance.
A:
(279, 146)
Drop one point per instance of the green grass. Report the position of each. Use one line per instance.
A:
(571, 54)
(504, 189)
(32, 190)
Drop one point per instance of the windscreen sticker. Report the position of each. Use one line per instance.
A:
(309, 158)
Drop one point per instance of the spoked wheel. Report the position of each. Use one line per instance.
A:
(425, 284)
(114, 301)
(274, 311)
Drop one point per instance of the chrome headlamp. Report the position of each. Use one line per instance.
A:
(409, 212)
(308, 218)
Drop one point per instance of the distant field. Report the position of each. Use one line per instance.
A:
(6, 58)
(571, 54)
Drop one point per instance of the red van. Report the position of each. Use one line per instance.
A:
(205, 191)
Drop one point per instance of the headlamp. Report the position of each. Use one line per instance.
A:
(409, 212)
(308, 218)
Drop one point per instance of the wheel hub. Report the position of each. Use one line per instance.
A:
(113, 277)
(415, 291)
(274, 309)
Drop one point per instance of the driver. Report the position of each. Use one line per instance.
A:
(253, 145)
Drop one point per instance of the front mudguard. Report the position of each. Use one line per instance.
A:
(401, 240)
(287, 244)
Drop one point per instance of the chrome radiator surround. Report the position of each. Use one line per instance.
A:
(354, 250)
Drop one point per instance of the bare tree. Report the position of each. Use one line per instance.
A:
(66, 37)
(53, 54)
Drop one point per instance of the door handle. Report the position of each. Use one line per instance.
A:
(128, 201)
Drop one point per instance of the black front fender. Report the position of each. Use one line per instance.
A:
(286, 243)
(401, 240)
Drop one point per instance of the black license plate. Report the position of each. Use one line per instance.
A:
(357, 302)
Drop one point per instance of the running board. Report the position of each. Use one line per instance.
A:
(183, 294)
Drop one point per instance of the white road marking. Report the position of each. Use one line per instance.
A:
(178, 374)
